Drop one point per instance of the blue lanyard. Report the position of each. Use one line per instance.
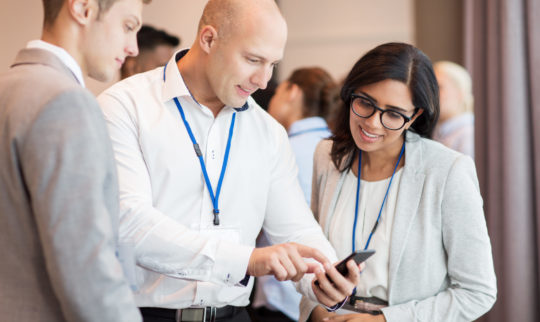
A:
(215, 199)
(358, 196)
(318, 129)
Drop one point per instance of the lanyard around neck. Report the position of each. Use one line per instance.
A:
(317, 129)
(196, 147)
(358, 197)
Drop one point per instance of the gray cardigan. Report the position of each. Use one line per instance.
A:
(440, 266)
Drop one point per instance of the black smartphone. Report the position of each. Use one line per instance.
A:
(358, 256)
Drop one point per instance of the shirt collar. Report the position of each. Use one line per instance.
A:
(307, 124)
(63, 55)
(174, 85)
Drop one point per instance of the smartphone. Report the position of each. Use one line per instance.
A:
(358, 256)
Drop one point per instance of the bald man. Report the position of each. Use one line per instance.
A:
(202, 168)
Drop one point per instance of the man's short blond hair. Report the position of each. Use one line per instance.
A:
(51, 8)
(220, 14)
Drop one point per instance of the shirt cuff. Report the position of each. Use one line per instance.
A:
(340, 305)
(245, 281)
(232, 262)
(337, 306)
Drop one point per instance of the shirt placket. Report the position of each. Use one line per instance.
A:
(213, 160)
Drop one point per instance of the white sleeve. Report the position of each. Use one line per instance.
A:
(162, 244)
(288, 217)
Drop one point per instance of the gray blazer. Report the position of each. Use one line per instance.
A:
(58, 200)
(440, 266)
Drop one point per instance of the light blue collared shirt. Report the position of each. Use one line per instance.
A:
(304, 136)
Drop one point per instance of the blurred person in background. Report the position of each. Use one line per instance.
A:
(455, 127)
(155, 48)
(301, 103)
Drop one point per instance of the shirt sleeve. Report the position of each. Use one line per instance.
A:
(67, 162)
(288, 217)
(472, 289)
(162, 244)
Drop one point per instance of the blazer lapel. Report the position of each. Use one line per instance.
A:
(410, 192)
(30, 56)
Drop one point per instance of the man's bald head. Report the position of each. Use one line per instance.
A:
(227, 15)
(239, 42)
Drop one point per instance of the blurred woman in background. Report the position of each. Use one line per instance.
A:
(302, 104)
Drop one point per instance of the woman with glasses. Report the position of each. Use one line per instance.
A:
(380, 183)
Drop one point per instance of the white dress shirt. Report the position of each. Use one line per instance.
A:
(62, 54)
(374, 278)
(304, 135)
(183, 259)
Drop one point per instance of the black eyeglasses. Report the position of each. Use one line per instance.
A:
(364, 107)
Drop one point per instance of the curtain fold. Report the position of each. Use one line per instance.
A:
(502, 52)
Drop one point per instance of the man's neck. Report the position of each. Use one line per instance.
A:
(64, 39)
(195, 79)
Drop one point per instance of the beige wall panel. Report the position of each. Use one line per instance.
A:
(334, 34)
(331, 34)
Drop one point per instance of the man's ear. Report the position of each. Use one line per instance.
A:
(207, 38)
(82, 11)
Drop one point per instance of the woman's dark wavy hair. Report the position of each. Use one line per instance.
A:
(398, 61)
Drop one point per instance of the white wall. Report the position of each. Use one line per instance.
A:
(331, 34)
(20, 21)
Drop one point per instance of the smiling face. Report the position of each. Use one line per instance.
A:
(369, 134)
(243, 61)
(110, 38)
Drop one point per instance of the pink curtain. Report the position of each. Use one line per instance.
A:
(502, 51)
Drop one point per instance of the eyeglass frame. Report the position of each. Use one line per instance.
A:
(376, 108)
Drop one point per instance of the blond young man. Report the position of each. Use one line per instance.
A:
(58, 182)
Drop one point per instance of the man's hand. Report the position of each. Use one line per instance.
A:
(335, 291)
(284, 261)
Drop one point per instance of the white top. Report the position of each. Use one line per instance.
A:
(62, 54)
(183, 259)
(374, 281)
